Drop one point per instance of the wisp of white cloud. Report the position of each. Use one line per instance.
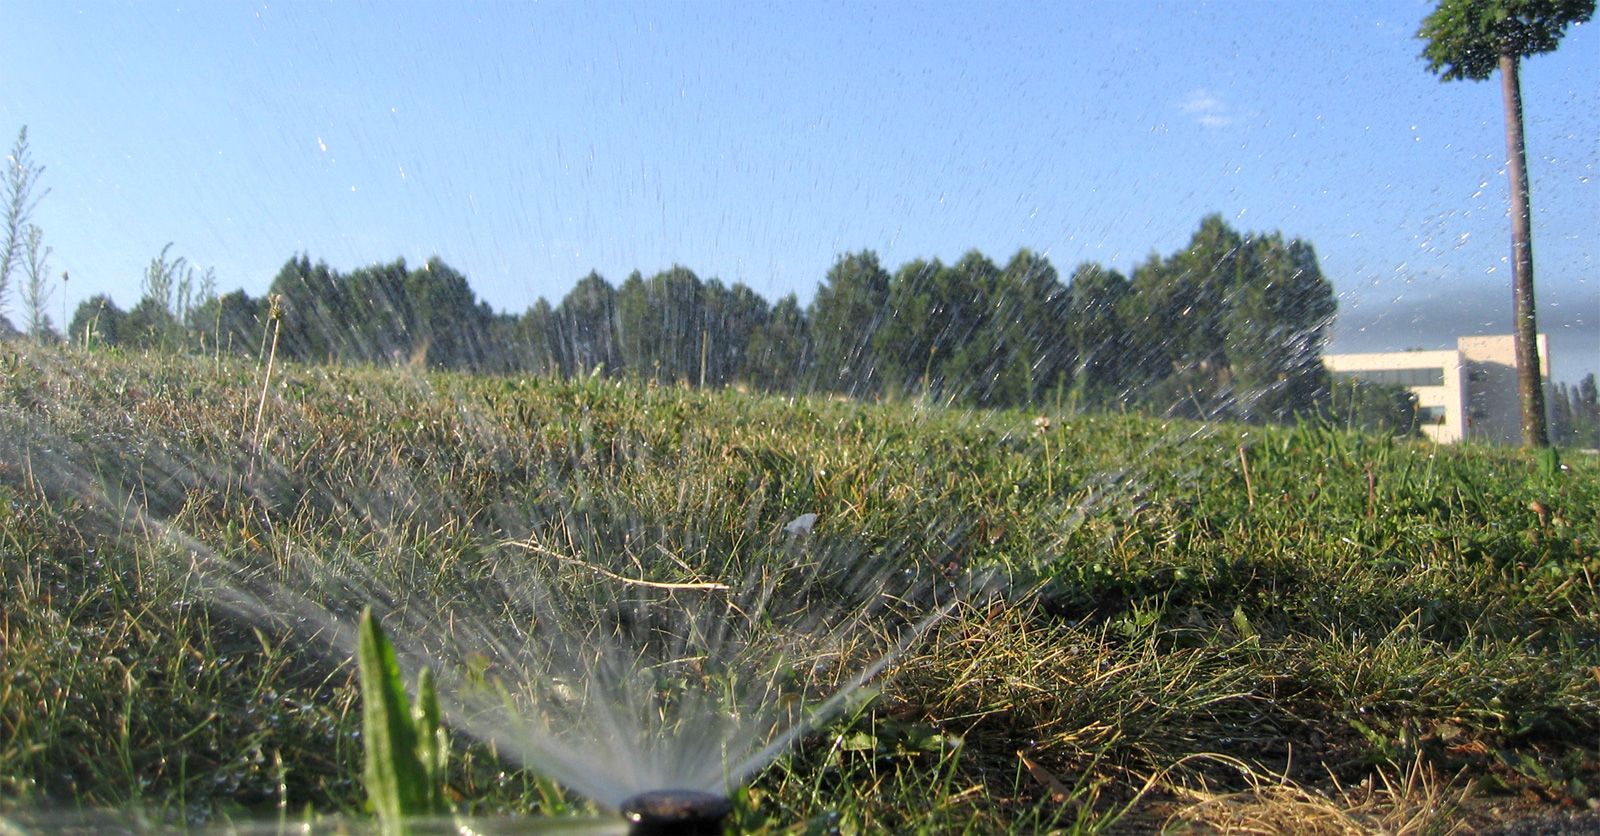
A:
(1206, 109)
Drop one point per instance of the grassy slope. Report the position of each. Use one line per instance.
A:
(1251, 624)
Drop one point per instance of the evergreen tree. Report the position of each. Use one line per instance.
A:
(678, 300)
(531, 343)
(1175, 313)
(232, 322)
(779, 355)
(450, 326)
(662, 324)
(638, 327)
(1206, 275)
(97, 322)
(372, 308)
(1147, 320)
(1033, 357)
(1581, 413)
(1275, 321)
(151, 326)
(933, 342)
(732, 317)
(1230, 326)
(1563, 421)
(844, 317)
(906, 344)
(1095, 343)
(588, 328)
(724, 331)
(312, 328)
(1014, 354)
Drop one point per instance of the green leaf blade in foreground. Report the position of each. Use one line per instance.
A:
(397, 782)
(433, 744)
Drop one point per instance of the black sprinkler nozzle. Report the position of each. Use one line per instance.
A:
(676, 813)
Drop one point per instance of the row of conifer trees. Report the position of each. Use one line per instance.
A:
(1232, 325)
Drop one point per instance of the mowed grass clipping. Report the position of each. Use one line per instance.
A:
(1205, 627)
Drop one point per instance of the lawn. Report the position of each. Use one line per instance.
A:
(1146, 624)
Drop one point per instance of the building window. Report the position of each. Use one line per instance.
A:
(1404, 377)
(1431, 414)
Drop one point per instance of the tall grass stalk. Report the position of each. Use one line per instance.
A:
(275, 320)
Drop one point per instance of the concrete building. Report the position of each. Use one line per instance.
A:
(1469, 392)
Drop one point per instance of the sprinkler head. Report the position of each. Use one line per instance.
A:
(676, 813)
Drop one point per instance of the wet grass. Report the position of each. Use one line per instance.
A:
(1206, 627)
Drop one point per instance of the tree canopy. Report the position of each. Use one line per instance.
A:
(1466, 38)
(1232, 325)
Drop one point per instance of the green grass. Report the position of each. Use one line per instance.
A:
(1208, 625)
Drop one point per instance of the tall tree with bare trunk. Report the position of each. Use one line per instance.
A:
(1470, 39)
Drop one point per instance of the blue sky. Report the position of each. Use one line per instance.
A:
(528, 143)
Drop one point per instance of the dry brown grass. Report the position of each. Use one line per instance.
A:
(1409, 801)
